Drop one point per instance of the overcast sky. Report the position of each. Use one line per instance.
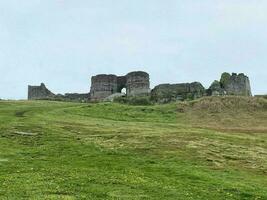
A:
(64, 42)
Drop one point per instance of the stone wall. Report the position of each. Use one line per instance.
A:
(42, 93)
(106, 87)
(172, 92)
(76, 97)
(235, 84)
(103, 85)
(39, 92)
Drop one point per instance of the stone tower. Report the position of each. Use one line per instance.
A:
(235, 84)
(104, 85)
(137, 83)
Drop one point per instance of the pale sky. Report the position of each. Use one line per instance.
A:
(64, 42)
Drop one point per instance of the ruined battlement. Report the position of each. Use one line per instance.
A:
(172, 92)
(42, 93)
(137, 83)
(235, 84)
(39, 92)
(104, 85)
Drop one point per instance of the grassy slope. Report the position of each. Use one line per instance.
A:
(208, 149)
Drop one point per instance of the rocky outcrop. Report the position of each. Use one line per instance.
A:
(104, 85)
(172, 92)
(39, 92)
(235, 84)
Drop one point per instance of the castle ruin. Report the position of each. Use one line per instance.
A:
(172, 92)
(235, 84)
(108, 86)
(135, 83)
(42, 93)
(39, 92)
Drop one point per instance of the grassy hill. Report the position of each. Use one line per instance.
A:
(211, 148)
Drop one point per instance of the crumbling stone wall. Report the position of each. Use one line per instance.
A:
(39, 92)
(235, 84)
(103, 85)
(172, 92)
(216, 89)
(42, 93)
(106, 87)
(76, 97)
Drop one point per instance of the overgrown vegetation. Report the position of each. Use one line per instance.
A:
(225, 79)
(138, 100)
(211, 148)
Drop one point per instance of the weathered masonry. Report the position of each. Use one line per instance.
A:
(103, 85)
(42, 93)
(235, 84)
(39, 92)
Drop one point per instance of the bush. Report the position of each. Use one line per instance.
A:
(225, 79)
(141, 100)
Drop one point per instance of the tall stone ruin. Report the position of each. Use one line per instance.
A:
(104, 85)
(235, 84)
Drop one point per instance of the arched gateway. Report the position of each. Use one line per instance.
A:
(103, 85)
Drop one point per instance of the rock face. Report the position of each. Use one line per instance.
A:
(39, 92)
(172, 92)
(103, 85)
(235, 84)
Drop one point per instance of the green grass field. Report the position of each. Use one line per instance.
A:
(212, 148)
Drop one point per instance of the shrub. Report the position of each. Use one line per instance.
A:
(224, 79)
(139, 100)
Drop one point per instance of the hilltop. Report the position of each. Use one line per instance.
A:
(210, 148)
